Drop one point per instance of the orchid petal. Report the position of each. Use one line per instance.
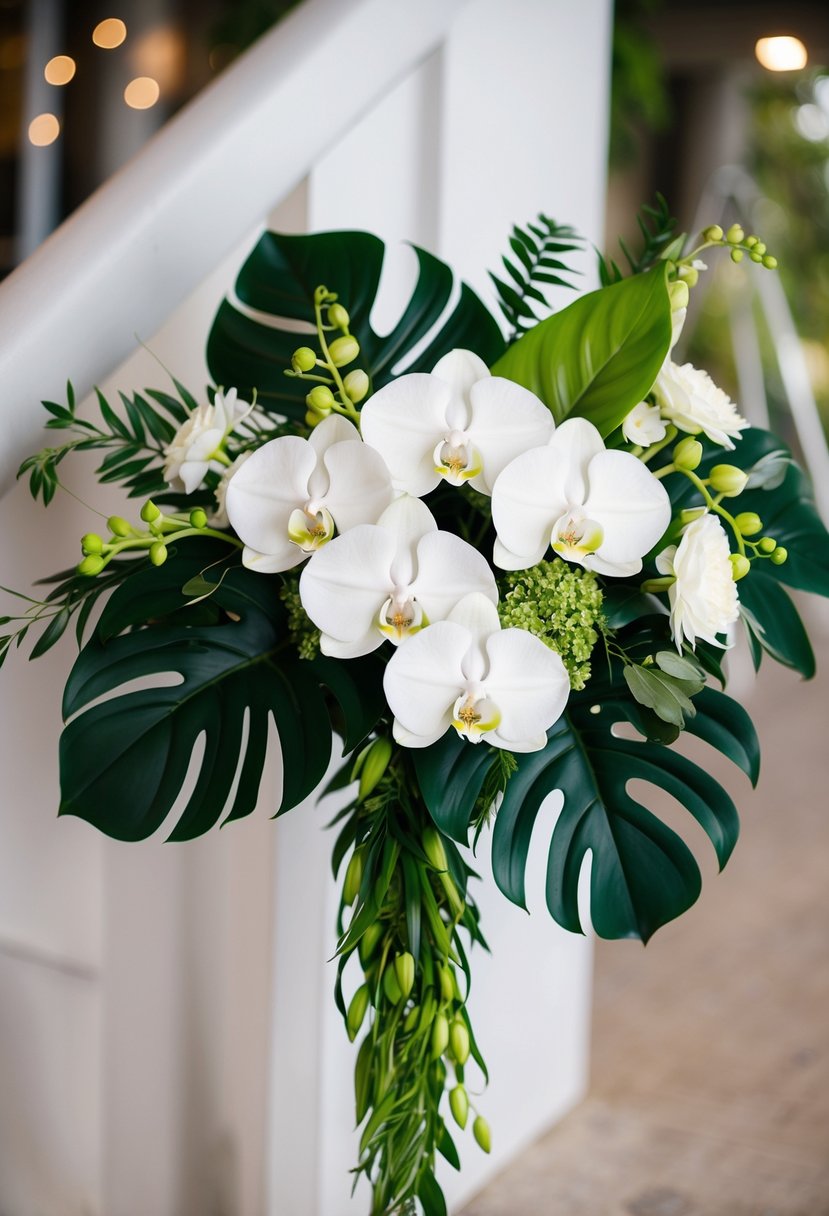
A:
(631, 505)
(575, 442)
(447, 570)
(532, 744)
(351, 650)
(527, 681)
(343, 588)
(285, 557)
(409, 520)
(505, 559)
(333, 429)
(403, 421)
(407, 739)
(266, 489)
(360, 487)
(527, 499)
(423, 678)
(461, 370)
(479, 617)
(506, 420)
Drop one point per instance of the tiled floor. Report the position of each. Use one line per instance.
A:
(710, 1089)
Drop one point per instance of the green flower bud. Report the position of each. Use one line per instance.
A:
(338, 316)
(198, 518)
(92, 564)
(689, 514)
(751, 241)
(158, 553)
(303, 359)
(740, 566)
(391, 986)
(312, 418)
(769, 262)
(344, 350)
(760, 248)
(368, 942)
(404, 970)
(748, 523)
(459, 1105)
(433, 848)
(357, 1011)
(482, 1134)
(447, 988)
(767, 544)
(412, 1019)
(440, 1036)
(689, 275)
(736, 255)
(320, 399)
(779, 555)
(375, 762)
(353, 877)
(356, 384)
(150, 512)
(92, 543)
(755, 256)
(727, 479)
(459, 1040)
(735, 235)
(713, 233)
(427, 1011)
(118, 526)
(688, 453)
(679, 295)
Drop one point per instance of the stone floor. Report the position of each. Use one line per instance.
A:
(710, 1072)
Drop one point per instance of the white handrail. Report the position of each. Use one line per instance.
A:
(145, 239)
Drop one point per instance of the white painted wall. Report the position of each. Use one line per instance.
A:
(167, 1038)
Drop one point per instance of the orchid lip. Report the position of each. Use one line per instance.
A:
(475, 715)
(401, 617)
(310, 529)
(455, 458)
(575, 535)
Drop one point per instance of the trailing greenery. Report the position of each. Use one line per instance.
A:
(535, 266)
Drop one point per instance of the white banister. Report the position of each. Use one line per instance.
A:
(147, 238)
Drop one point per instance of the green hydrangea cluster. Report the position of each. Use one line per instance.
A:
(304, 635)
(562, 605)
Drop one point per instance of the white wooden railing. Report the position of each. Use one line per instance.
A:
(167, 1037)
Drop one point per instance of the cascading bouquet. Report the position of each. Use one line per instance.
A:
(471, 570)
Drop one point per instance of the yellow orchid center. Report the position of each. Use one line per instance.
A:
(311, 527)
(474, 716)
(574, 536)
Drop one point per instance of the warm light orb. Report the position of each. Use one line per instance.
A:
(59, 70)
(109, 33)
(43, 130)
(141, 93)
(782, 53)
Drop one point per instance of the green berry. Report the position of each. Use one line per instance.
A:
(779, 555)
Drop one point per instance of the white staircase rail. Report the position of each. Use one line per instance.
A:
(148, 237)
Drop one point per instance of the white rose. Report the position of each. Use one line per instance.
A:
(643, 425)
(198, 444)
(704, 598)
(690, 399)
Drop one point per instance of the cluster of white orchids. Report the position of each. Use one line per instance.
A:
(347, 503)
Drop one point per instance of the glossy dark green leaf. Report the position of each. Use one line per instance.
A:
(278, 282)
(450, 774)
(124, 759)
(774, 622)
(430, 1195)
(598, 357)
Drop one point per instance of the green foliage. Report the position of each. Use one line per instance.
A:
(643, 874)
(639, 94)
(783, 499)
(124, 760)
(535, 266)
(657, 231)
(598, 357)
(666, 687)
(279, 279)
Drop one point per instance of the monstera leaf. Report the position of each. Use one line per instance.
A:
(252, 340)
(788, 512)
(124, 759)
(643, 874)
(598, 357)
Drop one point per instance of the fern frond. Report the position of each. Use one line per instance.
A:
(534, 266)
(657, 230)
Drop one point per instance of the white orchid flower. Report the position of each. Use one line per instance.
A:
(458, 423)
(500, 686)
(290, 496)
(390, 580)
(198, 445)
(690, 399)
(704, 599)
(602, 509)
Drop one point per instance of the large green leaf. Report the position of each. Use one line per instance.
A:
(643, 874)
(598, 357)
(252, 349)
(124, 759)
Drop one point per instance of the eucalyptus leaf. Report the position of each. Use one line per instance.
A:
(598, 357)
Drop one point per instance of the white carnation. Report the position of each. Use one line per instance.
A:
(643, 425)
(194, 447)
(704, 597)
(690, 399)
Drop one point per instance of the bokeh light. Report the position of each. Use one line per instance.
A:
(43, 130)
(59, 70)
(781, 53)
(109, 33)
(141, 93)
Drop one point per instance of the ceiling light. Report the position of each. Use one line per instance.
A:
(782, 53)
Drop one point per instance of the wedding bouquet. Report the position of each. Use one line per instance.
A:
(460, 559)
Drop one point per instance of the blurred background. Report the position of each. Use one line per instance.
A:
(711, 1060)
